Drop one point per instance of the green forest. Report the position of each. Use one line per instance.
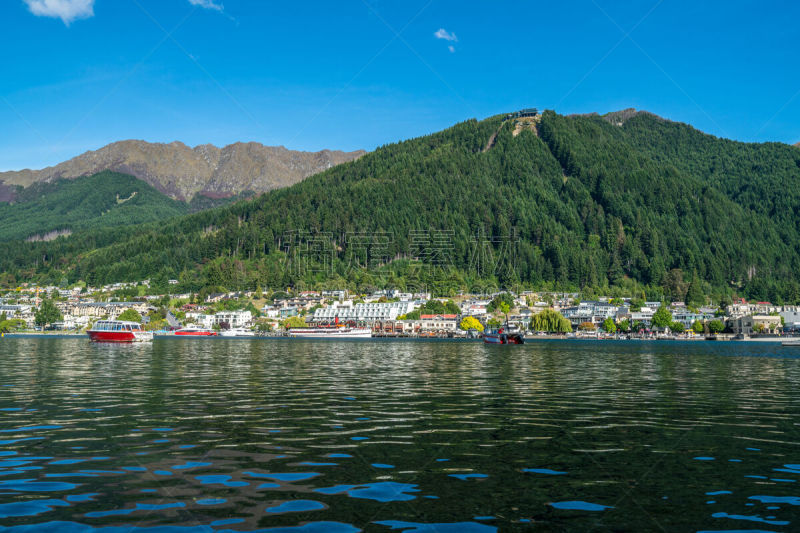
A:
(106, 199)
(649, 208)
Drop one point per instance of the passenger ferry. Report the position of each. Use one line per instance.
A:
(339, 332)
(118, 331)
(196, 331)
(237, 332)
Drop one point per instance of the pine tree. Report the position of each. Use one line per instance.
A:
(694, 295)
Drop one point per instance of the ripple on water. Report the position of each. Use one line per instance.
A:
(425, 401)
(139, 507)
(754, 518)
(226, 522)
(190, 464)
(385, 491)
(219, 479)
(465, 477)
(211, 501)
(14, 441)
(791, 500)
(31, 508)
(577, 505)
(544, 471)
(30, 485)
(284, 476)
(76, 498)
(296, 506)
(416, 527)
(29, 428)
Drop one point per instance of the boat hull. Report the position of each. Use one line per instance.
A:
(111, 336)
(240, 334)
(502, 338)
(119, 336)
(325, 333)
(118, 331)
(195, 333)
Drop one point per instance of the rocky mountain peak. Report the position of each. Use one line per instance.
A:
(183, 172)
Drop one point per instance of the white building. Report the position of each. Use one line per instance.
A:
(434, 323)
(270, 311)
(474, 307)
(234, 319)
(643, 315)
(366, 312)
(590, 311)
(791, 319)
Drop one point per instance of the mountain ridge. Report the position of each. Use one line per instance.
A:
(182, 172)
(640, 208)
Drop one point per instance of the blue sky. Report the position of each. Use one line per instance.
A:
(78, 74)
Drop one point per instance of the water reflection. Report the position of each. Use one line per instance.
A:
(411, 436)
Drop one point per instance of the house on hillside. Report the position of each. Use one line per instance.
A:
(529, 112)
(749, 324)
(438, 323)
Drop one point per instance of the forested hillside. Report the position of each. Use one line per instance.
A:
(571, 202)
(106, 199)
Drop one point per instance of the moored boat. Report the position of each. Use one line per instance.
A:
(501, 337)
(196, 331)
(118, 331)
(237, 332)
(337, 332)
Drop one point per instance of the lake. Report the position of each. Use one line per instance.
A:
(313, 436)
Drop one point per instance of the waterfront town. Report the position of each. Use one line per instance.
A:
(389, 313)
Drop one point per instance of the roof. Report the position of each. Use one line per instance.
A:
(429, 317)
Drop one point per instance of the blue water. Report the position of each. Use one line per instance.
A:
(404, 436)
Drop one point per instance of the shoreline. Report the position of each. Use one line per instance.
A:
(532, 339)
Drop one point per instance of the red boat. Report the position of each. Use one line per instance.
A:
(118, 331)
(196, 331)
(501, 337)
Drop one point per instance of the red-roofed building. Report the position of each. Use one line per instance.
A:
(438, 323)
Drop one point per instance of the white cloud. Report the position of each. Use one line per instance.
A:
(451, 48)
(442, 33)
(207, 4)
(66, 10)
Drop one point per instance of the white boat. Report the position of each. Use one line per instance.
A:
(792, 342)
(118, 331)
(237, 332)
(337, 332)
(193, 330)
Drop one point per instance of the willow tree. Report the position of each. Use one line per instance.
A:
(550, 321)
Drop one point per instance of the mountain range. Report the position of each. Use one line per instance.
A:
(182, 172)
(628, 202)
